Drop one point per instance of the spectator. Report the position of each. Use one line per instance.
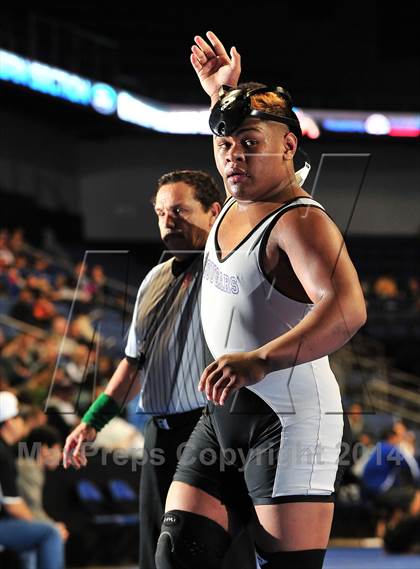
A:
(63, 292)
(4, 384)
(6, 256)
(386, 287)
(58, 332)
(356, 419)
(43, 310)
(19, 358)
(59, 325)
(391, 474)
(105, 369)
(98, 285)
(42, 269)
(17, 241)
(79, 281)
(61, 411)
(18, 530)
(81, 364)
(413, 292)
(14, 282)
(32, 415)
(387, 295)
(82, 331)
(23, 307)
(402, 533)
(37, 285)
(48, 352)
(2, 339)
(362, 440)
(41, 451)
(21, 264)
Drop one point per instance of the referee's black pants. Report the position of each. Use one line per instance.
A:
(161, 454)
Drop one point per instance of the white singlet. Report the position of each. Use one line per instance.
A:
(241, 311)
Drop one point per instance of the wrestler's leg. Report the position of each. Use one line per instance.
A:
(182, 496)
(194, 530)
(294, 534)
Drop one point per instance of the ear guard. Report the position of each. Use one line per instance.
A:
(302, 174)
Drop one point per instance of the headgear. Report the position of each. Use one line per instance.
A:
(235, 105)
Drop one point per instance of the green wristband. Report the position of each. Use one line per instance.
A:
(102, 410)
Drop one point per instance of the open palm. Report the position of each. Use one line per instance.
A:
(213, 65)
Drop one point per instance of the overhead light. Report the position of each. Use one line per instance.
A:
(377, 124)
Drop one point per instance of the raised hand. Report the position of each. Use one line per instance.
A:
(213, 65)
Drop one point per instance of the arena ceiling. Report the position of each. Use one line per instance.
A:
(357, 55)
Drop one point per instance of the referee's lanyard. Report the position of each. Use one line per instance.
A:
(166, 301)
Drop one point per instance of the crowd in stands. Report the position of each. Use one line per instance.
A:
(35, 284)
(394, 317)
(385, 474)
(51, 351)
(54, 360)
(387, 294)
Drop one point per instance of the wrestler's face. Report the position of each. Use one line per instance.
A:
(256, 162)
(183, 222)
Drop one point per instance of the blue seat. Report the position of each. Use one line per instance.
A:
(125, 501)
(92, 498)
(121, 491)
(120, 510)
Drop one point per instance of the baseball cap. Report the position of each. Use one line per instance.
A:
(9, 406)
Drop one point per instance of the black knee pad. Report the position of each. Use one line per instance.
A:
(304, 559)
(190, 541)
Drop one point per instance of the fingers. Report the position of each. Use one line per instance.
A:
(205, 374)
(202, 63)
(220, 386)
(204, 46)
(201, 67)
(236, 58)
(195, 63)
(73, 453)
(200, 55)
(212, 378)
(227, 391)
(218, 47)
(67, 451)
(79, 451)
(218, 382)
(206, 59)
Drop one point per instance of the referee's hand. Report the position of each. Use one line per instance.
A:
(229, 373)
(74, 450)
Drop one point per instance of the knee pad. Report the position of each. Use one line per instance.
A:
(303, 559)
(189, 541)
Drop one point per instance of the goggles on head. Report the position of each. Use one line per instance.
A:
(235, 105)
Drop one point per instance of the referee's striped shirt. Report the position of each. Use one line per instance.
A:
(166, 328)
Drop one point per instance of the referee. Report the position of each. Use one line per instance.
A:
(165, 352)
